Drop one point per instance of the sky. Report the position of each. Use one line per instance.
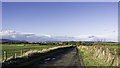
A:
(60, 20)
(60, 0)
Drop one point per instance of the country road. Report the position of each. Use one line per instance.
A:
(69, 58)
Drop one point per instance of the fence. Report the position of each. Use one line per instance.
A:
(13, 53)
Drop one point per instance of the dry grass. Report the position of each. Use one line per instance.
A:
(31, 52)
(102, 54)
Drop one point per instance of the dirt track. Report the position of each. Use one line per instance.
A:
(71, 58)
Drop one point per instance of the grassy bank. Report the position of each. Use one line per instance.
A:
(89, 60)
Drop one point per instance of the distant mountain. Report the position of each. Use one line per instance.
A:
(53, 41)
(9, 40)
(97, 41)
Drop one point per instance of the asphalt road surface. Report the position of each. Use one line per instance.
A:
(69, 58)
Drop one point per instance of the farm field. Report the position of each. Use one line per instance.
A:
(112, 47)
(12, 49)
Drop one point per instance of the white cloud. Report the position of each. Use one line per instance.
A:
(9, 34)
(97, 37)
(15, 35)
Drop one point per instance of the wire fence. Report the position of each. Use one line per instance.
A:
(13, 53)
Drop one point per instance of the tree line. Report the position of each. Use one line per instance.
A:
(53, 43)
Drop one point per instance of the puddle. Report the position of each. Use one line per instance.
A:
(47, 59)
(53, 58)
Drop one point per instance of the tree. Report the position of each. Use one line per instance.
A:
(65, 43)
(79, 43)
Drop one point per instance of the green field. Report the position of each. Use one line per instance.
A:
(112, 47)
(12, 49)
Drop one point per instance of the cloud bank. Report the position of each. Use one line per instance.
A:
(31, 37)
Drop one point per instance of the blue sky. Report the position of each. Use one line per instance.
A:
(61, 18)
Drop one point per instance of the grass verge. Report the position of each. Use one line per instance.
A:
(89, 59)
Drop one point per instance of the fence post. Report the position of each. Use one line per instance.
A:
(109, 55)
(5, 55)
(107, 50)
(96, 52)
(101, 49)
(21, 52)
(115, 52)
(103, 52)
(96, 49)
(15, 55)
(30, 49)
